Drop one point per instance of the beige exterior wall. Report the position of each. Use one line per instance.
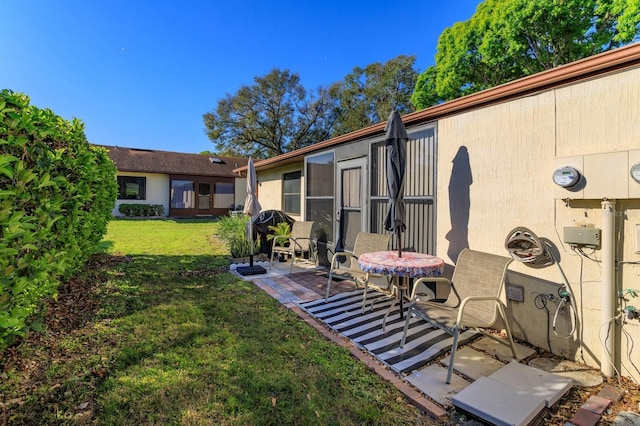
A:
(513, 149)
(157, 191)
(270, 188)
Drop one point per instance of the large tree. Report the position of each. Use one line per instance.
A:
(273, 116)
(508, 39)
(367, 95)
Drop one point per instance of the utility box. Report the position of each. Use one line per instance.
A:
(581, 236)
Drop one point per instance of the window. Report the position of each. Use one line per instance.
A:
(182, 194)
(320, 173)
(224, 196)
(291, 191)
(132, 188)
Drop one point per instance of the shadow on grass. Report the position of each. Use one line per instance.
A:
(138, 282)
(200, 337)
(179, 339)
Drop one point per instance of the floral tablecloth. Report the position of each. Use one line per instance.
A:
(411, 264)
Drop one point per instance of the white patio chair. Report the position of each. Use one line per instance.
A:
(299, 242)
(366, 242)
(474, 301)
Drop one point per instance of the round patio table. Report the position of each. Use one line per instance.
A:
(409, 265)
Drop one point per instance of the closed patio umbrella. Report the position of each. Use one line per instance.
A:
(251, 204)
(252, 208)
(396, 147)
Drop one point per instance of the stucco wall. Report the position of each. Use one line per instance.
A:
(494, 173)
(270, 188)
(157, 191)
(495, 169)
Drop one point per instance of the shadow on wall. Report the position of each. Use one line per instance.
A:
(459, 203)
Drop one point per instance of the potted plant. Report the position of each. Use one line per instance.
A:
(281, 233)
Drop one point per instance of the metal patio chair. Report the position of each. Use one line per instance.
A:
(299, 242)
(366, 242)
(474, 301)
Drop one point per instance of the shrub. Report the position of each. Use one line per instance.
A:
(241, 247)
(141, 210)
(232, 229)
(56, 196)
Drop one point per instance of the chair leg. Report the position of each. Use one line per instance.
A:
(512, 345)
(454, 347)
(405, 330)
(364, 295)
(386, 315)
(391, 293)
(293, 260)
(326, 297)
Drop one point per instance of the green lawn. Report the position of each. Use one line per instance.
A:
(156, 331)
(163, 237)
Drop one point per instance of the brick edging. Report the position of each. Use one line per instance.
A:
(410, 393)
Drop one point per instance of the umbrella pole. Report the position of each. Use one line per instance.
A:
(251, 242)
(249, 230)
(399, 239)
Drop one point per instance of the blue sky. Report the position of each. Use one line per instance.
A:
(141, 73)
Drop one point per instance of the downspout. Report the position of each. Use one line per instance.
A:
(607, 288)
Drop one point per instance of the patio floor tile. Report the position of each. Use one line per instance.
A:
(431, 381)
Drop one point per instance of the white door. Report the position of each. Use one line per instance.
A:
(351, 214)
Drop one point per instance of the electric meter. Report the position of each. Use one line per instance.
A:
(635, 172)
(566, 177)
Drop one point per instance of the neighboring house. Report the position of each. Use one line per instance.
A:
(185, 184)
(482, 165)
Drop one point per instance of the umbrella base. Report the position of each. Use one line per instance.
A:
(250, 270)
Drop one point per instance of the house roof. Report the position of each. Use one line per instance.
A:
(166, 162)
(604, 63)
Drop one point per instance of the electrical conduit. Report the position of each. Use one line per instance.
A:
(607, 290)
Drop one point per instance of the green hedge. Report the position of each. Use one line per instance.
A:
(139, 210)
(56, 196)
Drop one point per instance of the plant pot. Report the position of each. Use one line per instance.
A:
(282, 257)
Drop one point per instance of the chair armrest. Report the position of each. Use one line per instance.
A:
(294, 241)
(341, 253)
(420, 283)
(275, 241)
(467, 300)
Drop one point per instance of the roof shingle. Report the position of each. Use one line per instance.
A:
(154, 161)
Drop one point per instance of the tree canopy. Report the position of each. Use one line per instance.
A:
(508, 39)
(367, 95)
(273, 116)
(277, 114)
